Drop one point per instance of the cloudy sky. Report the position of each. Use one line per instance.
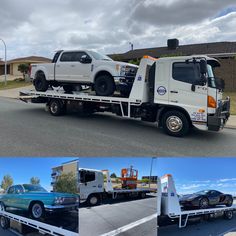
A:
(40, 27)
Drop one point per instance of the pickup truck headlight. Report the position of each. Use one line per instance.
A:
(59, 200)
(123, 70)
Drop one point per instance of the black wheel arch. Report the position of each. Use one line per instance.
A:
(33, 202)
(102, 72)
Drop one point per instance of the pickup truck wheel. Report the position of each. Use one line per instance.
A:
(37, 210)
(40, 82)
(56, 107)
(104, 85)
(93, 200)
(175, 123)
(4, 222)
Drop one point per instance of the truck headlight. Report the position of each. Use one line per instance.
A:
(123, 70)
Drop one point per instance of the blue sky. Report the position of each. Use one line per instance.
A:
(226, 11)
(194, 174)
(22, 169)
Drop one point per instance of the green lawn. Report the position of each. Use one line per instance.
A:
(14, 84)
(232, 101)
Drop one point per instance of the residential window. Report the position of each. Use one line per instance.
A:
(186, 72)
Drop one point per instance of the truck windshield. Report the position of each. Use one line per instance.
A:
(99, 56)
(211, 77)
(33, 188)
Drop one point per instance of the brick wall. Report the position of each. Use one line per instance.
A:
(227, 71)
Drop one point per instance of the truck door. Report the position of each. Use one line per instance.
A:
(88, 184)
(186, 91)
(71, 68)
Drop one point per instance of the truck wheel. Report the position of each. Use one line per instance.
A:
(93, 200)
(37, 210)
(104, 85)
(4, 222)
(175, 123)
(40, 82)
(142, 195)
(56, 107)
(228, 215)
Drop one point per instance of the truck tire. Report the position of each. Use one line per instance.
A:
(93, 200)
(36, 210)
(4, 222)
(56, 107)
(104, 85)
(175, 123)
(142, 195)
(228, 215)
(40, 82)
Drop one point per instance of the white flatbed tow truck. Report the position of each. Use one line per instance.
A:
(6, 218)
(93, 188)
(177, 92)
(169, 209)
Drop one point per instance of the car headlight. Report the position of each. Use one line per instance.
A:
(59, 200)
(123, 70)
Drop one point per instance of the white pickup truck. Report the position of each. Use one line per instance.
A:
(71, 69)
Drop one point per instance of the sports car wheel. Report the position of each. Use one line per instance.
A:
(204, 203)
(4, 222)
(229, 203)
(37, 210)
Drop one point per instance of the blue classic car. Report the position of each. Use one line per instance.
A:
(36, 200)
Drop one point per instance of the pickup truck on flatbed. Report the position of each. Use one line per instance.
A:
(71, 69)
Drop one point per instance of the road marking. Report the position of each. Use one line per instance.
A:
(130, 226)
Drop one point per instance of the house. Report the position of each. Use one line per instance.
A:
(12, 65)
(225, 52)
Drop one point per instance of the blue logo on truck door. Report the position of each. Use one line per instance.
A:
(161, 90)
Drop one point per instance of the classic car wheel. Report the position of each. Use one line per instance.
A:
(37, 210)
(204, 203)
(4, 222)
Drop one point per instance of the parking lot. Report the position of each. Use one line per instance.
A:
(134, 217)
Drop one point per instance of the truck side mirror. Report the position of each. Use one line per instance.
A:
(85, 59)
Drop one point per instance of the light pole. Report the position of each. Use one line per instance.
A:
(5, 80)
(151, 171)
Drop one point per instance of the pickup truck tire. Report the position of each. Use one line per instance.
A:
(40, 82)
(56, 107)
(37, 210)
(93, 200)
(104, 85)
(4, 222)
(175, 123)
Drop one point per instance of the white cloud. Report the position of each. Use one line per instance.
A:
(40, 27)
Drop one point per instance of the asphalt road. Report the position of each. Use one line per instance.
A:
(123, 218)
(28, 130)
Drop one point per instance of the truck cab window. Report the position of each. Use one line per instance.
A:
(186, 72)
(72, 56)
(87, 176)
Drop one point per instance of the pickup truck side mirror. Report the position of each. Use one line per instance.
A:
(85, 59)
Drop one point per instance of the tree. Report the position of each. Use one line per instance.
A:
(113, 175)
(6, 182)
(66, 183)
(146, 181)
(35, 180)
(24, 69)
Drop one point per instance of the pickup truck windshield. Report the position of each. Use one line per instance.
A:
(99, 56)
(33, 188)
(211, 77)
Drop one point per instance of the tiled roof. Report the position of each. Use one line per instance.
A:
(224, 48)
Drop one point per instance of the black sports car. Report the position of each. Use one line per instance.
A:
(205, 199)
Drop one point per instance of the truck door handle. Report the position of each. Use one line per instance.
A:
(173, 91)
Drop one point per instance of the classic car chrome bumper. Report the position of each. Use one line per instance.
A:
(60, 207)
